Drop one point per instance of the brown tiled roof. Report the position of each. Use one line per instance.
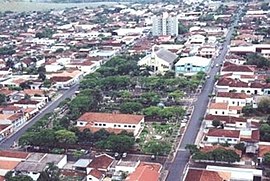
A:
(225, 81)
(25, 101)
(145, 172)
(111, 118)
(60, 79)
(238, 108)
(101, 162)
(72, 173)
(7, 92)
(224, 133)
(233, 95)
(259, 85)
(227, 119)
(254, 137)
(206, 175)
(237, 68)
(8, 165)
(218, 105)
(11, 108)
(33, 92)
(13, 154)
(98, 174)
(263, 149)
(206, 149)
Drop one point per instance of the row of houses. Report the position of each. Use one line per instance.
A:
(96, 167)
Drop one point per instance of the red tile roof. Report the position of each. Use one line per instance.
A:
(111, 118)
(225, 81)
(238, 68)
(227, 119)
(224, 133)
(233, 95)
(13, 154)
(206, 175)
(60, 79)
(101, 162)
(254, 137)
(218, 105)
(206, 149)
(95, 173)
(263, 149)
(145, 172)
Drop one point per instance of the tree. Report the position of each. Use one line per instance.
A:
(27, 97)
(182, 29)
(65, 136)
(130, 107)
(266, 159)
(11, 177)
(192, 148)
(150, 98)
(51, 173)
(176, 95)
(157, 147)
(117, 143)
(264, 105)
(216, 123)
(3, 99)
(248, 110)
(265, 6)
(265, 132)
(258, 60)
(207, 17)
(223, 155)
(42, 76)
(47, 83)
(240, 146)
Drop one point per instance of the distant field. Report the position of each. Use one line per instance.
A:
(34, 6)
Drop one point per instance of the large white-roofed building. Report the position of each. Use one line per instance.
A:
(192, 65)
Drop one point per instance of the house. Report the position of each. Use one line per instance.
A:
(234, 98)
(222, 108)
(246, 174)
(16, 120)
(66, 79)
(248, 136)
(197, 174)
(237, 70)
(160, 61)
(231, 122)
(196, 40)
(6, 166)
(10, 155)
(126, 166)
(25, 103)
(227, 84)
(207, 51)
(192, 65)
(222, 136)
(95, 175)
(98, 167)
(37, 162)
(111, 122)
(264, 148)
(145, 172)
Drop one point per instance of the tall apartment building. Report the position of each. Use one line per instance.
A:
(165, 25)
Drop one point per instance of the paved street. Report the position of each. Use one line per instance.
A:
(177, 167)
(8, 142)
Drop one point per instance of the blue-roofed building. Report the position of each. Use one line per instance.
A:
(192, 65)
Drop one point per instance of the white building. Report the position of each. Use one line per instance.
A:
(160, 61)
(165, 25)
(111, 122)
